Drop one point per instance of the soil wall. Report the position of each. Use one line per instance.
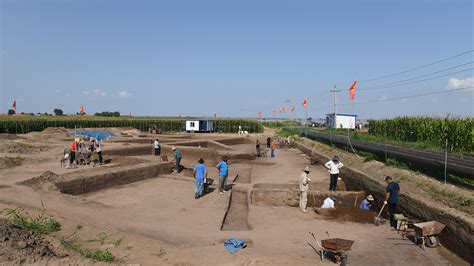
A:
(116, 177)
(458, 234)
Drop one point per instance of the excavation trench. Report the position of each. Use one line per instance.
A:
(457, 236)
(235, 218)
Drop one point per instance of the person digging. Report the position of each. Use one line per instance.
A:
(304, 187)
(366, 204)
(177, 157)
(391, 199)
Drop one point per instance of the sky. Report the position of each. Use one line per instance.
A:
(236, 58)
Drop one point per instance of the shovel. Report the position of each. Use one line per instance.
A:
(377, 218)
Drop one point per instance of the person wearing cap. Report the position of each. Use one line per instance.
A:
(391, 199)
(328, 203)
(200, 174)
(304, 187)
(223, 169)
(333, 167)
(366, 204)
(177, 157)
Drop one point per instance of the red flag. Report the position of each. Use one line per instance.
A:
(352, 90)
(305, 103)
(81, 109)
(259, 114)
(14, 105)
(293, 109)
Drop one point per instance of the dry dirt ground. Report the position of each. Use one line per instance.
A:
(158, 221)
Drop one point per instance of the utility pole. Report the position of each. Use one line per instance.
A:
(288, 101)
(335, 106)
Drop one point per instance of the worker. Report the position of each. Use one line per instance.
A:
(328, 203)
(273, 148)
(333, 167)
(98, 149)
(156, 145)
(391, 199)
(200, 174)
(269, 142)
(223, 170)
(72, 154)
(304, 187)
(366, 203)
(177, 157)
(257, 147)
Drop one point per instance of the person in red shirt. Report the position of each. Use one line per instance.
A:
(72, 155)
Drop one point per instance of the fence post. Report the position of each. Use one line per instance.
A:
(445, 161)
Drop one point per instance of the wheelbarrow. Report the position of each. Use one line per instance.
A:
(428, 232)
(337, 246)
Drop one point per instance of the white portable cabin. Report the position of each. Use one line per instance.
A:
(341, 121)
(199, 126)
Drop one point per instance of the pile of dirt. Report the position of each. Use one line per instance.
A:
(18, 245)
(54, 130)
(46, 181)
(21, 148)
(5, 136)
(7, 162)
(355, 215)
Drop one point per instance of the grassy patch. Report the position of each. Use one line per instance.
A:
(41, 223)
(95, 255)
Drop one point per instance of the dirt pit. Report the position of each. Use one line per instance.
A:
(18, 245)
(46, 181)
(355, 215)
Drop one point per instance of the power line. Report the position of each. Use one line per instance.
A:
(429, 74)
(411, 96)
(409, 70)
(417, 81)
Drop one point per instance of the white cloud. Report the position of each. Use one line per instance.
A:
(94, 93)
(455, 83)
(124, 94)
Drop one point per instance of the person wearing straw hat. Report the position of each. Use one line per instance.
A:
(328, 203)
(304, 187)
(366, 204)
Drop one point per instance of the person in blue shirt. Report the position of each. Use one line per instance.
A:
(366, 203)
(200, 174)
(223, 169)
(391, 199)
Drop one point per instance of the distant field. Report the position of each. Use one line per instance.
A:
(18, 124)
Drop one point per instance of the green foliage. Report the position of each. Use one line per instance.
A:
(99, 255)
(41, 224)
(58, 112)
(281, 124)
(435, 131)
(26, 124)
(108, 114)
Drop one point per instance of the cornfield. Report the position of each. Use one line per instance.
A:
(25, 124)
(458, 131)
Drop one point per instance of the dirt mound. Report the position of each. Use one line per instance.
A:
(7, 162)
(355, 215)
(22, 148)
(54, 130)
(46, 181)
(18, 245)
(4, 136)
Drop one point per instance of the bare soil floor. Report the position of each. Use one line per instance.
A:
(158, 220)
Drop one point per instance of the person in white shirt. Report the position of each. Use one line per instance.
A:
(304, 187)
(98, 149)
(156, 145)
(328, 203)
(333, 167)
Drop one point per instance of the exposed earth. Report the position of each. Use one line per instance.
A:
(144, 212)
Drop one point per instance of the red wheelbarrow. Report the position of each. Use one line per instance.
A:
(337, 246)
(428, 232)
